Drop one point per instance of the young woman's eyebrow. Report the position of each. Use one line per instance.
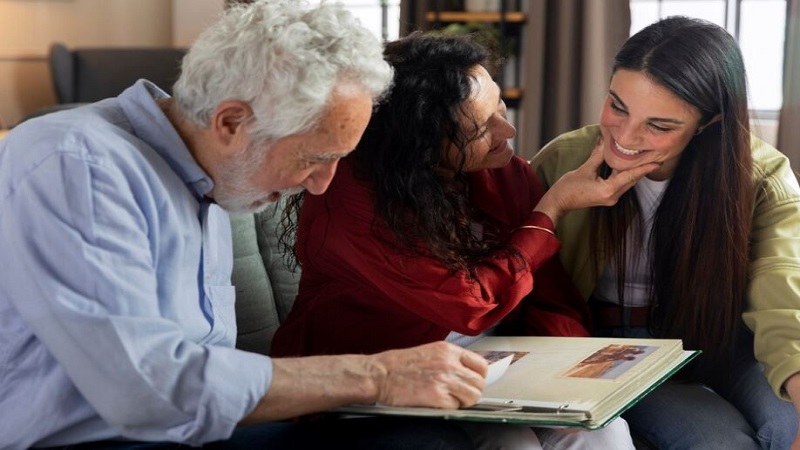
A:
(617, 99)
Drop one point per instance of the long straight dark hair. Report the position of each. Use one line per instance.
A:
(701, 230)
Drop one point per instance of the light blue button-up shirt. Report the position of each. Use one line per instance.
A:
(116, 307)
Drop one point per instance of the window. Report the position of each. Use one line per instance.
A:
(382, 17)
(759, 27)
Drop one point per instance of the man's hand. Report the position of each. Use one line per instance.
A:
(583, 187)
(438, 375)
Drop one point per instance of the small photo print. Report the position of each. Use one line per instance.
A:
(610, 361)
(496, 355)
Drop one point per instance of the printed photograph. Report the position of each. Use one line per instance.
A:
(610, 361)
(496, 355)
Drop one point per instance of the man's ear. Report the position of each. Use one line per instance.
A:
(229, 121)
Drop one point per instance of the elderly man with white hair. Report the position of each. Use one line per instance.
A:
(116, 305)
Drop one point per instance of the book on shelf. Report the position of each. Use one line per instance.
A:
(559, 381)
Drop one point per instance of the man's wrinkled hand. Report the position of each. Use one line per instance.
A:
(437, 375)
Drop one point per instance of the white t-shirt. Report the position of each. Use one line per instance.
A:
(637, 270)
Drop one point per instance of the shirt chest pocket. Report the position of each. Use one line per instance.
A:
(219, 306)
(218, 293)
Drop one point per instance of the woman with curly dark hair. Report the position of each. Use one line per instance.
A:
(432, 229)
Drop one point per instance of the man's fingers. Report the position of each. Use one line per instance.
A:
(475, 362)
(438, 375)
(472, 379)
(468, 391)
(467, 398)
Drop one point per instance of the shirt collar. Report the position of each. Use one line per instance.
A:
(152, 126)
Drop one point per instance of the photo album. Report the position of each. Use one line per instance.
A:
(559, 381)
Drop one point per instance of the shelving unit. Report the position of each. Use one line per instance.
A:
(476, 16)
(508, 20)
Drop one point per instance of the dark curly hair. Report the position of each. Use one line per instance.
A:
(420, 197)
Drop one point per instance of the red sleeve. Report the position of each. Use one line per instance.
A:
(337, 241)
(555, 307)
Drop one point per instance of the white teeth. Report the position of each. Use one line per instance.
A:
(625, 151)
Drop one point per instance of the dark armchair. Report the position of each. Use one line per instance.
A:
(84, 75)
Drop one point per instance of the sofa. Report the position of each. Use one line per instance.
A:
(265, 286)
(84, 75)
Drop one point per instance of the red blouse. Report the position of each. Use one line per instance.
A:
(359, 294)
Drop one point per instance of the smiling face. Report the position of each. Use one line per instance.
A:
(486, 110)
(643, 122)
(262, 173)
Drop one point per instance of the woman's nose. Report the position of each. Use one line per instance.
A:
(627, 135)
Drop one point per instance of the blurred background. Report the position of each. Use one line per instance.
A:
(555, 53)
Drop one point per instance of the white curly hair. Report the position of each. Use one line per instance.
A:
(284, 59)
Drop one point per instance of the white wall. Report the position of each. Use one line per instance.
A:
(28, 27)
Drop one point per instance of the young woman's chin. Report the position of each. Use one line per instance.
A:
(622, 162)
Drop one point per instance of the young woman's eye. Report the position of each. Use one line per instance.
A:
(659, 129)
(615, 107)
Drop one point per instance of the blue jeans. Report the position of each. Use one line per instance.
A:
(346, 434)
(738, 414)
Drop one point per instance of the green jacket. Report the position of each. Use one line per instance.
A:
(773, 306)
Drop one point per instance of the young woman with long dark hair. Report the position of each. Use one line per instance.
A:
(705, 248)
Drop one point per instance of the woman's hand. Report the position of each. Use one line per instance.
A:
(583, 187)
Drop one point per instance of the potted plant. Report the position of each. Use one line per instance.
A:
(486, 34)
